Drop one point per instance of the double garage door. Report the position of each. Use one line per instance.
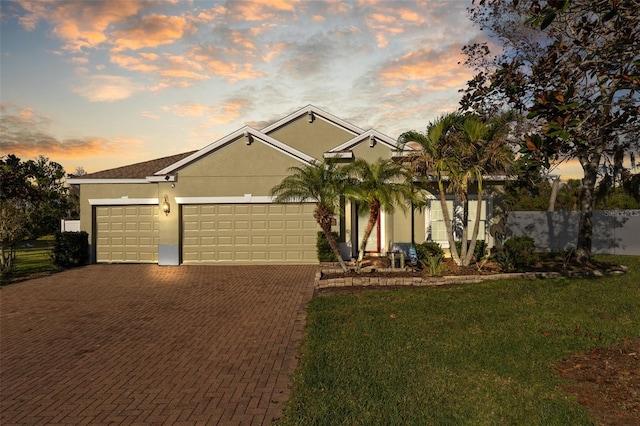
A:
(210, 233)
(249, 233)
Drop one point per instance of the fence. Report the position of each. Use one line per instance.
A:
(614, 231)
(69, 225)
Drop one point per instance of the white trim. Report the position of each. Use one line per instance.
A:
(124, 201)
(77, 181)
(371, 133)
(317, 113)
(347, 154)
(245, 199)
(234, 137)
(166, 178)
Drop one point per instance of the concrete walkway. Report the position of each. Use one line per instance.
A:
(144, 344)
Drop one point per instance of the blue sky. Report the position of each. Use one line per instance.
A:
(101, 84)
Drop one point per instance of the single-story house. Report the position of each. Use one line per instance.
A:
(212, 205)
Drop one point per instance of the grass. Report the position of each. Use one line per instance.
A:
(472, 354)
(34, 256)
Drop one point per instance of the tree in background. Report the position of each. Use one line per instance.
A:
(74, 194)
(375, 186)
(574, 66)
(32, 201)
(322, 183)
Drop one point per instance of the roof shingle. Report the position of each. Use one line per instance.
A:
(138, 170)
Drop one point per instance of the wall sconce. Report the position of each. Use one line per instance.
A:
(372, 141)
(166, 207)
(249, 137)
(311, 117)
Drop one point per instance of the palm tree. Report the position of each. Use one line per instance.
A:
(321, 182)
(376, 186)
(485, 152)
(436, 158)
(461, 150)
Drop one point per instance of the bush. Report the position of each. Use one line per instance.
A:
(325, 253)
(71, 249)
(517, 253)
(429, 249)
(430, 255)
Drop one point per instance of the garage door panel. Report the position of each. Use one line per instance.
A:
(241, 240)
(258, 240)
(127, 234)
(245, 233)
(276, 225)
(259, 225)
(241, 225)
(225, 241)
(225, 210)
(225, 224)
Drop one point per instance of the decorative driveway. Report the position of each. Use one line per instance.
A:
(148, 344)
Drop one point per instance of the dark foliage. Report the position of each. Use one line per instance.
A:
(325, 252)
(71, 249)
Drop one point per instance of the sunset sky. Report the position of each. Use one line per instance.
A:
(101, 84)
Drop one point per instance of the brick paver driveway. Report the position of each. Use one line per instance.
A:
(146, 344)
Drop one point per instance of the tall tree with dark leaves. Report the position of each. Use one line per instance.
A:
(33, 199)
(574, 66)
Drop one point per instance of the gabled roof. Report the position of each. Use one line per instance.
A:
(251, 135)
(138, 171)
(372, 136)
(165, 168)
(313, 113)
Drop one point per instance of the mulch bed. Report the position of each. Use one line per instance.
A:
(378, 267)
(606, 382)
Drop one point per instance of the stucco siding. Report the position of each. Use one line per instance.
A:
(238, 159)
(371, 154)
(311, 138)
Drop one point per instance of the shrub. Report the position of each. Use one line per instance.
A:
(325, 254)
(517, 253)
(430, 255)
(71, 249)
(427, 250)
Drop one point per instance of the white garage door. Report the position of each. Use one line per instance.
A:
(249, 233)
(127, 234)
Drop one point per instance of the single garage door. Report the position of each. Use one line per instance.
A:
(127, 234)
(249, 233)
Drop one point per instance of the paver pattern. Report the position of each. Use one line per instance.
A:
(148, 344)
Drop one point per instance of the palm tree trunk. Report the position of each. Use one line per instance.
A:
(374, 211)
(474, 234)
(324, 217)
(464, 247)
(447, 224)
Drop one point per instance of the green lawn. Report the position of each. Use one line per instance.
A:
(471, 354)
(34, 256)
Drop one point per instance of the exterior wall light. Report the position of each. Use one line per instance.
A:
(166, 207)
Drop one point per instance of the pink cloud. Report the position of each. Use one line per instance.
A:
(25, 134)
(106, 88)
(439, 69)
(152, 31)
(80, 24)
